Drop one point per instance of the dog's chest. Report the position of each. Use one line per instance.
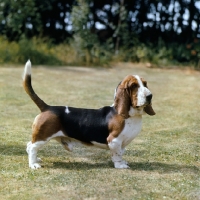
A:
(131, 129)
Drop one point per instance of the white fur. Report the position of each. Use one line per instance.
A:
(58, 134)
(135, 112)
(131, 129)
(32, 149)
(67, 110)
(27, 69)
(143, 92)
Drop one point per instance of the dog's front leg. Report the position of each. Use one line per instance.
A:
(116, 150)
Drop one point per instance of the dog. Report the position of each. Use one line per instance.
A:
(110, 127)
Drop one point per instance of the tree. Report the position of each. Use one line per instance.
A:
(18, 18)
(85, 42)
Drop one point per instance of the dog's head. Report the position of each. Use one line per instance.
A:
(133, 92)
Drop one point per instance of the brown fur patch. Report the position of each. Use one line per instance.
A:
(122, 102)
(115, 127)
(126, 96)
(129, 81)
(45, 125)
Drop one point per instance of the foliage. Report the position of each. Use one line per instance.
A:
(85, 43)
(39, 51)
(96, 33)
(39, 54)
(19, 17)
(43, 51)
(170, 20)
(8, 51)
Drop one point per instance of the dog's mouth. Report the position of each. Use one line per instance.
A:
(147, 108)
(143, 106)
(138, 107)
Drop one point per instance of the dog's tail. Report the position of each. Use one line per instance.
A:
(29, 90)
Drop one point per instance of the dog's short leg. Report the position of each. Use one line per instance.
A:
(65, 142)
(32, 149)
(27, 150)
(117, 152)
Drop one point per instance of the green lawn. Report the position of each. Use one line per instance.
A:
(164, 158)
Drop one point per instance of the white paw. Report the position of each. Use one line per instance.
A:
(34, 166)
(121, 165)
(39, 160)
(124, 162)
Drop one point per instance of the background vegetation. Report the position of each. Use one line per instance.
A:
(88, 32)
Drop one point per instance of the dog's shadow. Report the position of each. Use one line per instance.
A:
(134, 166)
(13, 149)
(103, 162)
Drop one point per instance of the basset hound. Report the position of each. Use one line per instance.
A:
(110, 127)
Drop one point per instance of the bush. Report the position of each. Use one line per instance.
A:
(38, 51)
(42, 51)
(85, 45)
(8, 51)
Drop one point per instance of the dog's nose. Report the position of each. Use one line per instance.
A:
(148, 98)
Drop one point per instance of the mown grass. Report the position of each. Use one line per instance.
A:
(164, 158)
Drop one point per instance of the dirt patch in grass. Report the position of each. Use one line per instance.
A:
(164, 158)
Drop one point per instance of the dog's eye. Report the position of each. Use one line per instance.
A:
(134, 85)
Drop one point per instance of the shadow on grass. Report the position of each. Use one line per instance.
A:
(20, 150)
(163, 167)
(10, 150)
(81, 165)
(139, 166)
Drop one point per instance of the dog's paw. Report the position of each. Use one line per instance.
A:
(35, 166)
(39, 160)
(124, 162)
(121, 165)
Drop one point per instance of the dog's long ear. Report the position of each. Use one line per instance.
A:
(116, 90)
(149, 110)
(122, 102)
(123, 95)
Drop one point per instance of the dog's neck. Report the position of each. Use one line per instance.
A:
(133, 112)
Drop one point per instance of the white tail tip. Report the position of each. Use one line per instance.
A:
(27, 69)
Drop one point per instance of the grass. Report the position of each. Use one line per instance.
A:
(164, 158)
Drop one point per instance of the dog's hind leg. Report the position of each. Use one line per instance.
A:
(32, 149)
(46, 126)
(27, 150)
(65, 142)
